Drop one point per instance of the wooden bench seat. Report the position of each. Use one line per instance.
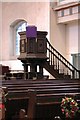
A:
(13, 106)
(49, 94)
(42, 100)
(41, 85)
(59, 87)
(40, 81)
(44, 97)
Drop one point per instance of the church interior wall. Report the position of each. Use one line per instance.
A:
(36, 13)
(64, 37)
(0, 31)
(79, 35)
(57, 33)
(71, 38)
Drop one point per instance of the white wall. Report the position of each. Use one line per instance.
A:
(0, 31)
(36, 13)
(79, 35)
(57, 33)
(71, 38)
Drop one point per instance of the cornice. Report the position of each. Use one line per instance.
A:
(65, 6)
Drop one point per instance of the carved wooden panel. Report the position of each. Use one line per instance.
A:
(41, 46)
(23, 45)
(31, 45)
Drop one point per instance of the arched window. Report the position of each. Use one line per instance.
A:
(16, 27)
(20, 28)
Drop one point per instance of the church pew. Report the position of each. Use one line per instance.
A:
(25, 82)
(4, 69)
(13, 107)
(43, 91)
(39, 84)
(47, 80)
(42, 87)
(40, 81)
(42, 98)
(46, 97)
(45, 100)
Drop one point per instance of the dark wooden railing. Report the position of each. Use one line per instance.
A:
(60, 63)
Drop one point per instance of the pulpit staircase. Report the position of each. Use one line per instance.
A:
(58, 66)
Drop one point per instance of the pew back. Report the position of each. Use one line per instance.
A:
(49, 94)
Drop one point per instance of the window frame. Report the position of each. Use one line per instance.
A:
(12, 48)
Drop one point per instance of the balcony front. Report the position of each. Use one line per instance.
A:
(68, 12)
